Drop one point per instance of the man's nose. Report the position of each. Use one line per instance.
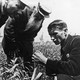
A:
(52, 38)
(56, 32)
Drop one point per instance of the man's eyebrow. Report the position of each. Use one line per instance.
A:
(55, 33)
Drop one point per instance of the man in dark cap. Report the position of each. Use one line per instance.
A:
(68, 68)
(22, 23)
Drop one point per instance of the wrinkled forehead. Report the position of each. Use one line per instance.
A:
(56, 28)
(14, 1)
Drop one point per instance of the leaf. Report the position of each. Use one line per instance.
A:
(16, 74)
(38, 76)
(34, 73)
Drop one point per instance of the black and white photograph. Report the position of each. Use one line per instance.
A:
(39, 40)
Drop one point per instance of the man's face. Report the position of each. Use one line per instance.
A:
(58, 35)
(12, 6)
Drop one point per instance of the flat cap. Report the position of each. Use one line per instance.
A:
(44, 10)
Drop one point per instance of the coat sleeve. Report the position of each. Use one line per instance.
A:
(70, 67)
(34, 23)
(3, 16)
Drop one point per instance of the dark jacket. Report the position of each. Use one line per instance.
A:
(16, 34)
(70, 62)
(17, 23)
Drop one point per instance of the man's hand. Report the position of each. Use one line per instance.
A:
(39, 56)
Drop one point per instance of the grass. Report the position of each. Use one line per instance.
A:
(49, 50)
(15, 71)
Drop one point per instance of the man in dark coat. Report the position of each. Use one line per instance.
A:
(22, 25)
(69, 65)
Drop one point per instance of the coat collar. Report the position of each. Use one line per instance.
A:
(65, 45)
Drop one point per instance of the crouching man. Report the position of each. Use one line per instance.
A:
(68, 68)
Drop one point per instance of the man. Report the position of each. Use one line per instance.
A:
(69, 65)
(22, 25)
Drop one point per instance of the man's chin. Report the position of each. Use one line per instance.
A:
(56, 42)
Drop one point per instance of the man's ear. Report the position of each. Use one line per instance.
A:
(66, 30)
